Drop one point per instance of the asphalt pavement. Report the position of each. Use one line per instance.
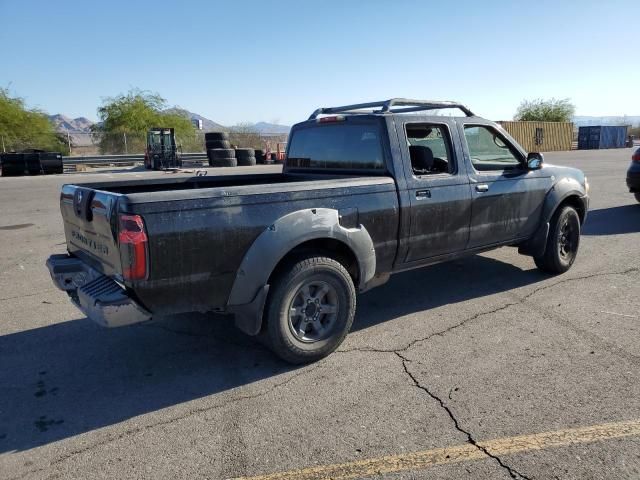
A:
(479, 368)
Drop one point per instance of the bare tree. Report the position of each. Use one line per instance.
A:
(245, 135)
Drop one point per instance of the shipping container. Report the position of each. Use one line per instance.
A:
(541, 136)
(602, 136)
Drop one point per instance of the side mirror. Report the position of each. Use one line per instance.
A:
(534, 161)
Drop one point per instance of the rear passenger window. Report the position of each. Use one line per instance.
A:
(429, 149)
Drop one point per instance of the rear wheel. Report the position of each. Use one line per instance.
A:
(637, 195)
(310, 309)
(562, 243)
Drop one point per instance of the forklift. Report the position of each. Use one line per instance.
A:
(161, 152)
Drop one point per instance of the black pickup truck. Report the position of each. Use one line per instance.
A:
(367, 190)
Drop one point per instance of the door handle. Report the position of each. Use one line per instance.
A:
(423, 194)
(483, 187)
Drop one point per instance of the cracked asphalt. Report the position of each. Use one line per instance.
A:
(452, 357)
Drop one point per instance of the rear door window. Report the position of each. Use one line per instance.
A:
(429, 149)
(337, 146)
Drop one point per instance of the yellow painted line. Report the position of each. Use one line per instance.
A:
(459, 453)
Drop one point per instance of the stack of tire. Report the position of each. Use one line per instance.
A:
(246, 157)
(261, 157)
(219, 150)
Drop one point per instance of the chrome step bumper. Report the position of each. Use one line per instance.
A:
(99, 297)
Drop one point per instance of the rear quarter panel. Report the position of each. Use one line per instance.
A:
(196, 243)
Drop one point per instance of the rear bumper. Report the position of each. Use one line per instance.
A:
(99, 297)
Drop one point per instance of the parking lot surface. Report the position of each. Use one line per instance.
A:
(480, 368)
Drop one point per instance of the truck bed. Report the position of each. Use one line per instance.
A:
(200, 228)
(205, 182)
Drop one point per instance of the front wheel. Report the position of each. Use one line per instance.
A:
(310, 309)
(562, 243)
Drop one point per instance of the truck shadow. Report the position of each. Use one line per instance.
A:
(613, 221)
(439, 285)
(73, 377)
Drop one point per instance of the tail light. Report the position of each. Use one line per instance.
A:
(636, 156)
(133, 243)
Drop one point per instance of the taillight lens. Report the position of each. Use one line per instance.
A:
(636, 156)
(133, 242)
(331, 119)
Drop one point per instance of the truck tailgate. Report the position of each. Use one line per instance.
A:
(90, 223)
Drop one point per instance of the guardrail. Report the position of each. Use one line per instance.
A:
(119, 159)
(71, 163)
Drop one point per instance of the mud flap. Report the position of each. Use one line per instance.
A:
(248, 317)
(536, 245)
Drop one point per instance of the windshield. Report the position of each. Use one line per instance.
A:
(340, 146)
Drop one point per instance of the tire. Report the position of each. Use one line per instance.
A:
(563, 242)
(261, 158)
(216, 136)
(217, 144)
(637, 195)
(221, 153)
(325, 332)
(223, 162)
(246, 161)
(245, 152)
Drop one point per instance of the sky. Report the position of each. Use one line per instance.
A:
(276, 61)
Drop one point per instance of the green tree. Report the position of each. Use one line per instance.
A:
(23, 128)
(541, 110)
(127, 117)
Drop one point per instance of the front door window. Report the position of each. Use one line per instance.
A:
(488, 150)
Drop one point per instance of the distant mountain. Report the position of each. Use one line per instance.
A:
(583, 121)
(273, 128)
(207, 125)
(210, 125)
(65, 124)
